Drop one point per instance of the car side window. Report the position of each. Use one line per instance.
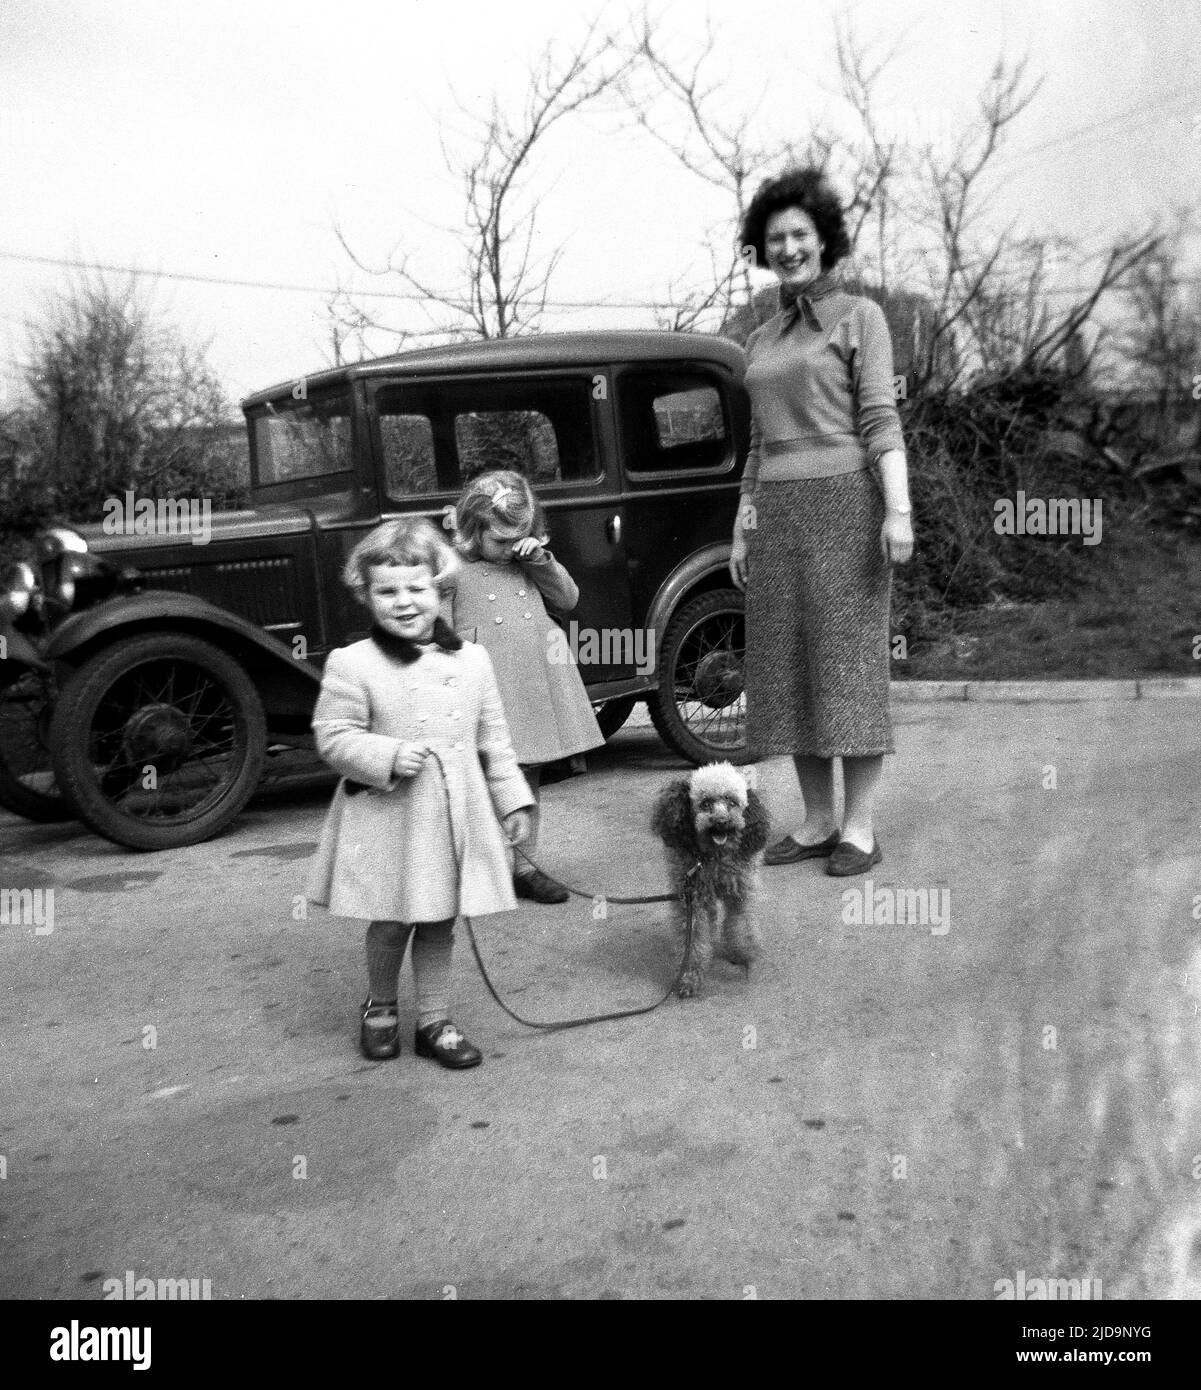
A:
(673, 421)
(541, 429)
(688, 417)
(408, 444)
(435, 436)
(521, 440)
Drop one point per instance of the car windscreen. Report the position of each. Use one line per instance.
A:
(300, 439)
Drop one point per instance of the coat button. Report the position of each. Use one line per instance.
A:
(456, 714)
(529, 615)
(500, 620)
(491, 598)
(521, 593)
(459, 747)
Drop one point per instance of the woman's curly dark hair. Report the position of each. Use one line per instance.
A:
(808, 190)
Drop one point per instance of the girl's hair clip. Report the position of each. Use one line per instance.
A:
(449, 521)
(502, 491)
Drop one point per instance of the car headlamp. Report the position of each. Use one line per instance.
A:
(63, 555)
(54, 540)
(19, 590)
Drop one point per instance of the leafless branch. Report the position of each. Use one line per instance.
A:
(504, 286)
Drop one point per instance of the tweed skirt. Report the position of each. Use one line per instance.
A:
(817, 612)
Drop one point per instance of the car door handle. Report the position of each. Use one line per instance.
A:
(613, 529)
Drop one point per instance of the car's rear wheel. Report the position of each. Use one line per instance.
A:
(159, 742)
(614, 713)
(699, 708)
(27, 783)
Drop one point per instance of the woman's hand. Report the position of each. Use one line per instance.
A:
(740, 560)
(518, 825)
(740, 568)
(409, 759)
(896, 538)
(528, 548)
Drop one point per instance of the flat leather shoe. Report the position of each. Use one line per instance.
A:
(849, 859)
(539, 888)
(379, 1035)
(787, 851)
(444, 1043)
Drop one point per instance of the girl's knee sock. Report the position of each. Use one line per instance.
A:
(433, 945)
(386, 942)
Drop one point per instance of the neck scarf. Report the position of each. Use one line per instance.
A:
(405, 651)
(801, 302)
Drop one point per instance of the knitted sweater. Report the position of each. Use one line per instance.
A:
(820, 378)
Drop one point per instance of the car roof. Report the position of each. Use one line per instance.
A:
(553, 350)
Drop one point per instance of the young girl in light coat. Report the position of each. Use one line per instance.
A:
(412, 719)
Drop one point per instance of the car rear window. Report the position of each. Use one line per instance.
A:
(672, 421)
(302, 439)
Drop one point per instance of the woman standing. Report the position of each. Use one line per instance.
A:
(824, 513)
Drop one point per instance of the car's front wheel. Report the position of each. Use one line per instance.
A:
(159, 741)
(699, 707)
(27, 784)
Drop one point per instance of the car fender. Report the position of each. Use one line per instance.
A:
(699, 566)
(20, 655)
(288, 684)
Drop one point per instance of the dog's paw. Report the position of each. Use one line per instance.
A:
(740, 943)
(744, 953)
(690, 984)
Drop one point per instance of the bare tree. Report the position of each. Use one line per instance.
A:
(115, 399)
(678, 102)
(503, 285)
(963, 262)
(349, 326)
(917, 208)
(1161, 346)
(717, 150)
(990, 306)
(879, 163)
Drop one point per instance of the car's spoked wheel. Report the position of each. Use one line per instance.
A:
(27, 782)
(159, 742)
(699, 708)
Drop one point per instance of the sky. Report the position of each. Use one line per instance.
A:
(230, 140)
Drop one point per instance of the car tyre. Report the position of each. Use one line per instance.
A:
(699, 708)
(27, 783)
(172, 704)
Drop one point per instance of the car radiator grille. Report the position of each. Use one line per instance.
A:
(262, 591)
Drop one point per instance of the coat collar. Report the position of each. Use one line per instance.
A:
(401, 649)
(814, 302)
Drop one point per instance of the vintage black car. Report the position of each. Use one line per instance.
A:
(152, 665)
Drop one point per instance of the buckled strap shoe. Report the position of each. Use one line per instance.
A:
(539, 888)
(787, 851)
(445, 1044)
(379, 1035)
(849, 859)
